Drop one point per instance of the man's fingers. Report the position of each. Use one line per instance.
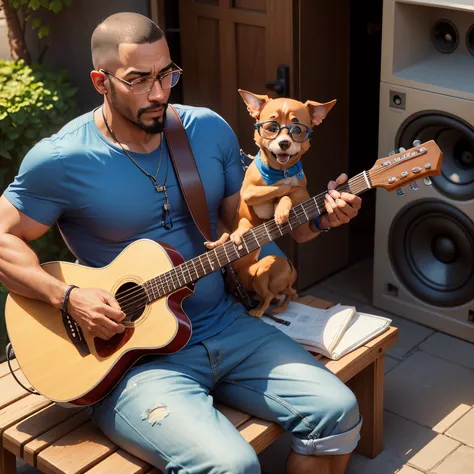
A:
(114, 311)
(353, 200)
(336, 215)
(341, 179)
(106, 321)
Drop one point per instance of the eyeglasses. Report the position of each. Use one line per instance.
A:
(167, 80)
(271, 129)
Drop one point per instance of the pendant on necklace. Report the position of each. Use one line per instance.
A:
(159, 187)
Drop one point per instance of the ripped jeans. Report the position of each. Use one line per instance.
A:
(162, 411)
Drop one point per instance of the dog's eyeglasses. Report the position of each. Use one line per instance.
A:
(271, 129)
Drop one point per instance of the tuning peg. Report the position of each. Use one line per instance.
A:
(414, 186)
(416, 143)
(392, 153)
(427, 181)
(400, 192)
(401, 150)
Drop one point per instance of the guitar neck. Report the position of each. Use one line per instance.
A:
(213, 260)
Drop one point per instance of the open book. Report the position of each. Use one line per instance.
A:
(332, 332)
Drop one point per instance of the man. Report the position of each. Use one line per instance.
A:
(96, 178)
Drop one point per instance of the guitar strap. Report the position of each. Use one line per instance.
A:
(193, 191)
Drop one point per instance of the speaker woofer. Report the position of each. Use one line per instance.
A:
(431, 246)
(470, 39)
(445, 36)
(455, 139)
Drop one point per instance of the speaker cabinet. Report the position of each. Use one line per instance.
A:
(424, 239)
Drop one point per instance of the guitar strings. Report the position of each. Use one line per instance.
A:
(355, 185)
(168, 277)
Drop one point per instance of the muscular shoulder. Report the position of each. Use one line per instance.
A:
(201, 122)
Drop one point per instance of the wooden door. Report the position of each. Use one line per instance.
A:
(233, 44)
(238, 44)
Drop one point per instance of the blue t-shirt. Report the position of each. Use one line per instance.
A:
(102, 202)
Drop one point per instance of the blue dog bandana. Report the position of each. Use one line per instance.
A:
(271, 176)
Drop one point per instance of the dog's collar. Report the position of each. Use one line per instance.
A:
(271, 175)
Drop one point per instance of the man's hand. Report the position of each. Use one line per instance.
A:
(340, 207)
(96, 311)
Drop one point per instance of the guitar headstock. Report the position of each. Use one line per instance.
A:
(399, 169)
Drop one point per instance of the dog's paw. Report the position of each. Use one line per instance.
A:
(212, 245)
(256, 313)
(281, 216)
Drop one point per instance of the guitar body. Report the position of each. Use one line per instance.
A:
(56, 367)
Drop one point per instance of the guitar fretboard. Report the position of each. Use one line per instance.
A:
(213, 260)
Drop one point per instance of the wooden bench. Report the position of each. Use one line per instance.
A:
(63, 440)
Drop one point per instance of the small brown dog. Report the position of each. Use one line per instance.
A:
(273, 184)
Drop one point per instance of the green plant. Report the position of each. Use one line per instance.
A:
(20, 14)
(34, 103)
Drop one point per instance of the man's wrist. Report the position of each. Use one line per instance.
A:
(317, 225)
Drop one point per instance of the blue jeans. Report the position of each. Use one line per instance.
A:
(162, 410)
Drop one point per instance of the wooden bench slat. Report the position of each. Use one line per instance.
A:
(21, 409)
(75, 446)
(260, 433)
(76, 452)
(34, 447)
(5, 370)
(318, 303)
(15, 437)
(10, 391)
(120, 462)
(307, 299)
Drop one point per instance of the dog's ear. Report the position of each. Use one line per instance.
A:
(318, 111)
(255, 103)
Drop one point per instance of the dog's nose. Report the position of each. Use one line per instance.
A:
(284, 144)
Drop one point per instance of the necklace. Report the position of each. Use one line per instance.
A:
(166, 220)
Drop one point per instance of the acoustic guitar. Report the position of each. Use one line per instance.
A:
(150, 281)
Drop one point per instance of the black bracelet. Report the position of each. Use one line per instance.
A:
(317, 226)
(65, 299)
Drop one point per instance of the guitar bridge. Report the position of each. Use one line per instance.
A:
(75, 334)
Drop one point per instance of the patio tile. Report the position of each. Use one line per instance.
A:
(23, 467)
(463, 430)
(324, 293)
(460, 462)
(414, 444)
(384, 463)
(430, 391)
(450, 348)
(410, 334)
(354, 281)
(390, 363)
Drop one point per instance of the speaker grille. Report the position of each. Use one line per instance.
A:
(431, 246)
(455, 139)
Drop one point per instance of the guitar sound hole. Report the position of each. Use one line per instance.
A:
(132, 299)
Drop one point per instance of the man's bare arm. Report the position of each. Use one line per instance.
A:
(20, 270)
(94, 309)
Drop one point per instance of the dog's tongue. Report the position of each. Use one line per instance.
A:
(282, 159)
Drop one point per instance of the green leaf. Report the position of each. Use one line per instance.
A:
(15, 3)
(36, 23)
(34, 4)
(4, 152)
(56, 6)
(68, 3)
(43, 31)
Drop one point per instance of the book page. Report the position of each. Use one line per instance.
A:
(318, 328)
(362, 328)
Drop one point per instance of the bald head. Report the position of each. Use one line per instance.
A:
(119, 28)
